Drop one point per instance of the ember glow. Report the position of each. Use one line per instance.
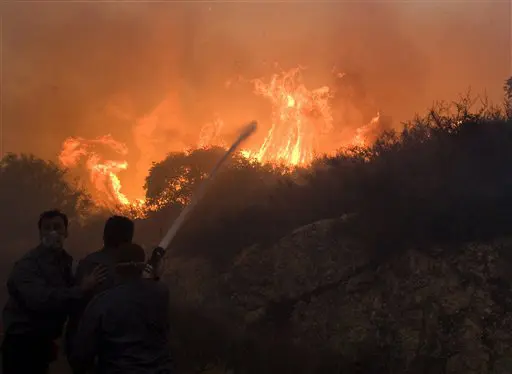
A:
(300, 116)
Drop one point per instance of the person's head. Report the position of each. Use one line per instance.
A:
(53, 228)
(118, 230)
(130, 261)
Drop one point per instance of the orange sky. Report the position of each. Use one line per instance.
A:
(86, 69)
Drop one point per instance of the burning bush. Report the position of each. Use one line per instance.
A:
(445, 177)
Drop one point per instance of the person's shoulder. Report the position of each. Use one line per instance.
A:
(96, 257)
(31, 255)
(142, 286)
(93, 256)
(156, 286)
(102, 298)
(111, 299)
(29, 261)
(115, 290)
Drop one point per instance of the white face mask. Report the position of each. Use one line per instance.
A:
(53, 240)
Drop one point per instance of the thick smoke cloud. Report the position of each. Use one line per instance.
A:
(88, 69)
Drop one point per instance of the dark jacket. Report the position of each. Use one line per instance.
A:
(127, 328)
(86, 266)
(103, 257)
(41, 294)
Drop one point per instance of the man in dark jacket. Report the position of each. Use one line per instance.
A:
(126, 328)
(118, 231)
(41, 295)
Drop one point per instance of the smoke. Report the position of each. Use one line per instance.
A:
(87, 69)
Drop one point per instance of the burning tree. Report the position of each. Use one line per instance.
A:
(29, 186)
(301, 119)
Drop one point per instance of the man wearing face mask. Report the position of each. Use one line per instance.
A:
(41, 294)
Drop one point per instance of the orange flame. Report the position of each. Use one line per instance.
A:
(102, 174)
(362, 133)
(299, 117)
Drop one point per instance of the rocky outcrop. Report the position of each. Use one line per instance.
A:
(312, 259)
(448, 313)
(445, 309)
(437, 310)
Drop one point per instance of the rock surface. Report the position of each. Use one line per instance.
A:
(438, 310)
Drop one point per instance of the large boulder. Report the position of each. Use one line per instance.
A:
(311, 257)
(423, 310)
(444, 309)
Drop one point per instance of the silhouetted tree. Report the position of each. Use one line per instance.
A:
(174, 178)
(28, 186)
(241, 183)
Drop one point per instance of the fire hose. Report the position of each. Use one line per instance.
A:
(160, 251)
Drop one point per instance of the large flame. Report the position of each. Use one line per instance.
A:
(299, 117)
(102, 173)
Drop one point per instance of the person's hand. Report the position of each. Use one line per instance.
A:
(98, 275)
(150, 272)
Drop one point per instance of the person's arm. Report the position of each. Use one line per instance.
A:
(82, 270)
(76, 310)
(27, 286)
(87, 338)
(79, 272)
